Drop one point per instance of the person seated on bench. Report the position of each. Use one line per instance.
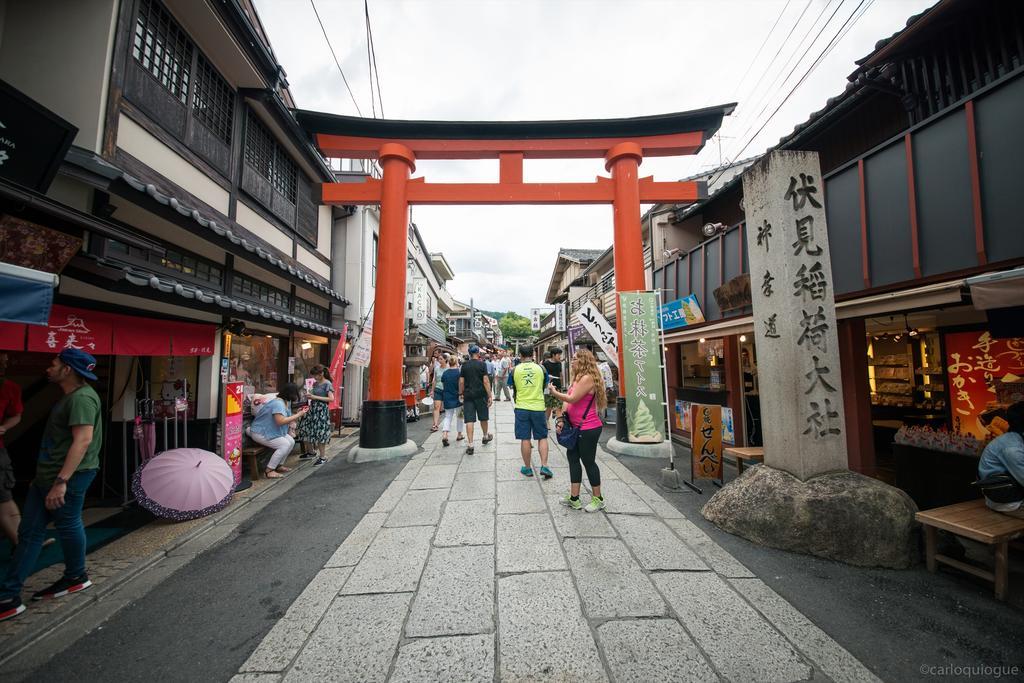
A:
(1001, 468)
(270, 427)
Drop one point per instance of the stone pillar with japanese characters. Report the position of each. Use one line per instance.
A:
(794, 315)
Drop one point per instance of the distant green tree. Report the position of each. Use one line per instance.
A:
(515, 326)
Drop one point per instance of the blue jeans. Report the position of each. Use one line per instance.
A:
(70, 530)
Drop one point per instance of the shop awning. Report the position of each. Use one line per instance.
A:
(26, 295)
(929, 296)
(101, 333)
(997, 290)
(740, 325)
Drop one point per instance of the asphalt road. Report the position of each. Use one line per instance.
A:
(898, 623)
(203, 621)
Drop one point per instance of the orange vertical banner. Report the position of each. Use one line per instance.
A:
(707, 441)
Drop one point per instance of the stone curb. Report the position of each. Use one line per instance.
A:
(231, 516)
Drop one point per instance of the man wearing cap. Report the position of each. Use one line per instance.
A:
(475, 391)
(68, 462)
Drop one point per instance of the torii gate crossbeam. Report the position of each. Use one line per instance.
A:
(622, 143)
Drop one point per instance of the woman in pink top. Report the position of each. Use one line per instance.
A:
(584, 402)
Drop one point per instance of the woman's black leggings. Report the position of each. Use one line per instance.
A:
(585, 451)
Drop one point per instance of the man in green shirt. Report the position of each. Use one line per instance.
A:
(68, 462)
(528, 381)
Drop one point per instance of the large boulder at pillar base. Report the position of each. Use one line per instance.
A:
(841, 516)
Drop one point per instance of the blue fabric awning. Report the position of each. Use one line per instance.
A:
(26, 295)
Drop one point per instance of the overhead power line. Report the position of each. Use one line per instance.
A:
(373, 54)
(765, 42)
(336, 62)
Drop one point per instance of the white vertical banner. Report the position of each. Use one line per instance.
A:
(419, 301)
(560, 317)
(535, 319)
(602, 331)
(451, 328)
(361, 349)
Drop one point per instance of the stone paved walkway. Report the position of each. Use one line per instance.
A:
(464, 570)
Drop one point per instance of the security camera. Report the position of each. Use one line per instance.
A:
(711, 229)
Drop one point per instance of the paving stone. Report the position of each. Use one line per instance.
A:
(456, 593)
(410, 470)
(255, 678)
(517, 497)
(661, 507)
(481, 462)
(512, 452)
(621, 499)
(466, 522)
(527, 543)
(576, 523)
(713, 554)
(508, 470)
(434, 477)
(392, 563)
(418, 508)
(830, 657)
(452, 455)
(473, 485)
(392, 494)
(279, 647)
(742, 646)
(654, 544)
(652, 651)
(610, 581)
(624, 473)
(466, 659)
(542, 635)
(356, 640)
(351, 550)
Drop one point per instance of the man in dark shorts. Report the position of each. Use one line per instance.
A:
(553, 366)
(10, 415)
(475, 390)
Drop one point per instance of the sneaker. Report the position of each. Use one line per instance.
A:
(488, 438)
(11, 607)
(595, 504)
(469, 450)
(546, 473)
(307, 456)
(444, 442)
(528, 471)
(63, 587)
(319, 461)
(570, 503)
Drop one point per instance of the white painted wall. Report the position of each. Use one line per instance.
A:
(324, 231)
(134, 139)
(262, 228)
(307, 258)
(58, 52)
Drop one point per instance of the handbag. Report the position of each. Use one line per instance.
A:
(568, 434)
(1001, 488)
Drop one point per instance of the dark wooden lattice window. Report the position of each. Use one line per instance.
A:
(163, 49)
(311, 311)
(284, 174)
(257, 291)
(259, 148)
(214, 102)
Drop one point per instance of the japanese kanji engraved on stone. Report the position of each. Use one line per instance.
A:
(794, 315)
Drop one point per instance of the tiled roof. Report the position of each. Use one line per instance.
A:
(580, 255)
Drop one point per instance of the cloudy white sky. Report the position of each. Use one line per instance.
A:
(567, 59)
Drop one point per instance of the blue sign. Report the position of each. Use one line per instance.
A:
(680, 313)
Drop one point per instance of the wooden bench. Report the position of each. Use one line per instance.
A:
(973, 520)
(752, 454)
(251, 456)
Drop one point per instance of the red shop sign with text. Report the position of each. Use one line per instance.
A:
(976, 366)
(72, 328)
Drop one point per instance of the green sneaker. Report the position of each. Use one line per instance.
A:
(570, 503)
(595, 504)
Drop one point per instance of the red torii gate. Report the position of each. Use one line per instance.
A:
(623, 143)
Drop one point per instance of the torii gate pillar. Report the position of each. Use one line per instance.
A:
(623, 162)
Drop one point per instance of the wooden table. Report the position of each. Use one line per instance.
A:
(976, 521)
(750, 454)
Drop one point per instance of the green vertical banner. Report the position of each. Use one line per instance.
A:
(641, 370)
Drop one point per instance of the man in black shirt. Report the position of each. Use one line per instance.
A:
(553, 365)
(475, 391)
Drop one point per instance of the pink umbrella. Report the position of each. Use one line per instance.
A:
(184, 483)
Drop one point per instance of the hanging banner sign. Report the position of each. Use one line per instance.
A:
(575, 332)
(600, 330)
(560, 317)
(681, 312)
(337, 368)
(419, 301)
(707, 441)
(73, 328)
(641, 367)
(232, 450)
(361, 349)
(535, 319)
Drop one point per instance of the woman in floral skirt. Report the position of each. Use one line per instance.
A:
(315, 428)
